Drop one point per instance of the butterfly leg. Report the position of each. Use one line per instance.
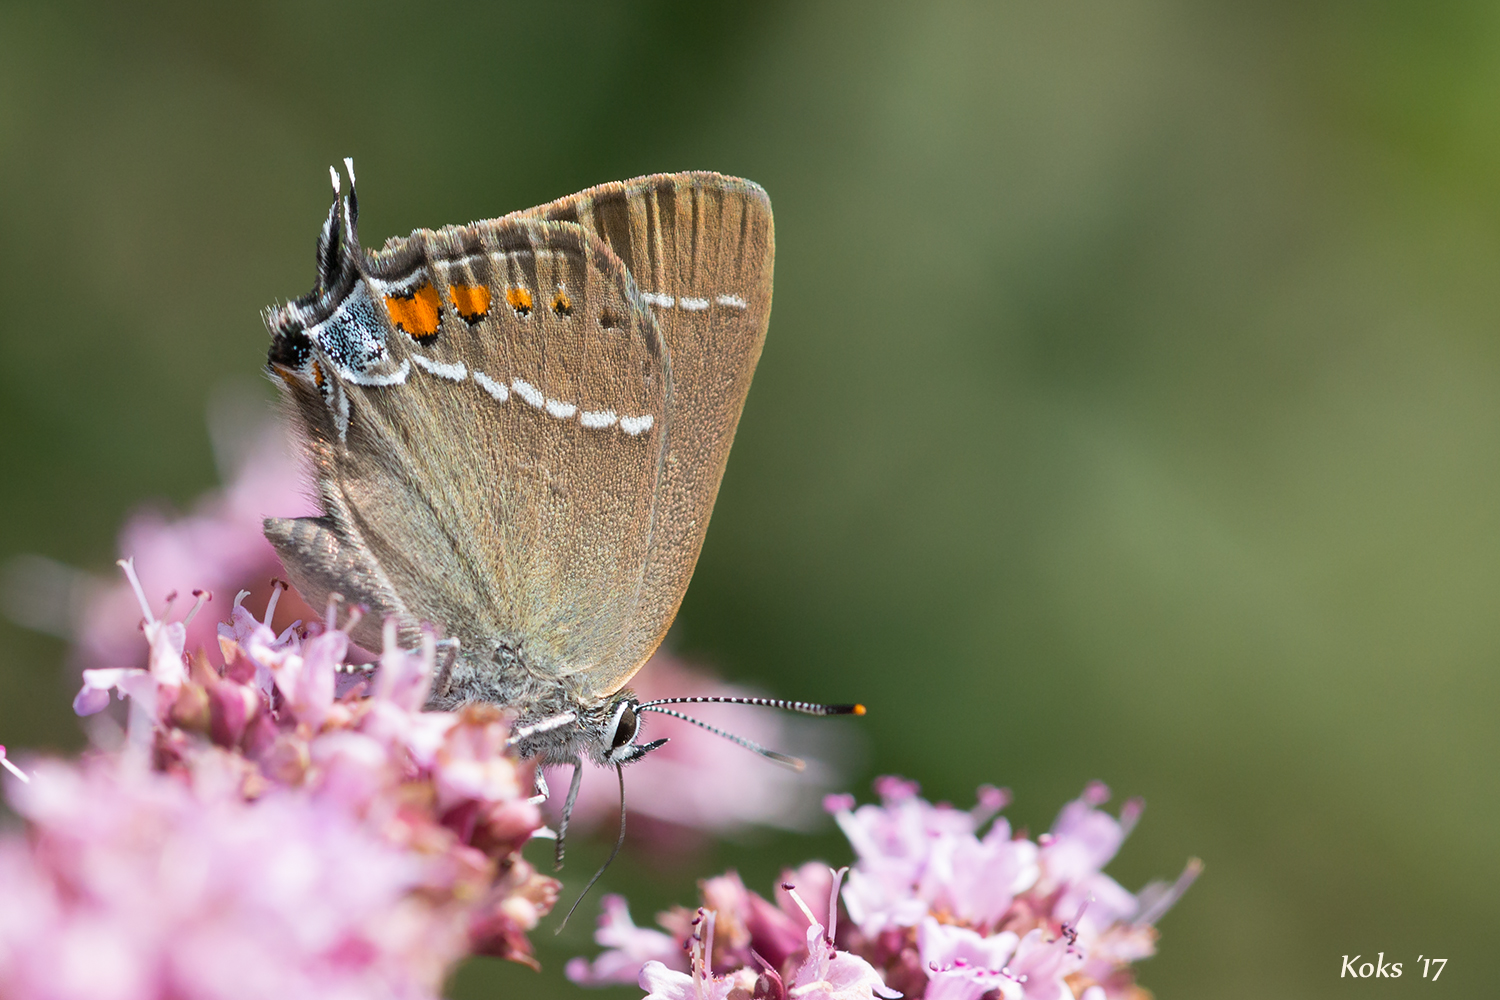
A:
(543, 793)
(562, 827)
(320, 562)
(444, 679)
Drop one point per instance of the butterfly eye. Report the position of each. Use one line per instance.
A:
(625, 725)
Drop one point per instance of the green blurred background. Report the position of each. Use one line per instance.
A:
(1131, 406)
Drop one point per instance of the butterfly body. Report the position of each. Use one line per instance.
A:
(518, 429)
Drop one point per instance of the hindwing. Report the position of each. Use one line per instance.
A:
(519, 426)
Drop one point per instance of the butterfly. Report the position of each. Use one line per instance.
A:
(518, 429)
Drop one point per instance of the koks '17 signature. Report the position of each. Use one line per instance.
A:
(1381, 969)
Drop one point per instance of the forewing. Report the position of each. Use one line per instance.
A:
(700, 247)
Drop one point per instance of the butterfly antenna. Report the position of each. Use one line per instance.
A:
(620, 772)
(795, 763)
(800, 707)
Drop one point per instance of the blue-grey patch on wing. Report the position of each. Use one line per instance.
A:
(353, 338)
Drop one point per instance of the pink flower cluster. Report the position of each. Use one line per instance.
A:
(941, 903)
(261, 834)
(803, 961)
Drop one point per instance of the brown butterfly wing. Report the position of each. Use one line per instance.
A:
(507, 487)
(701, 248)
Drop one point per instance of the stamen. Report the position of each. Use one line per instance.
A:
(277, 586)
(991, 801)
(769, 972)
(833, 901)
(706, 957)
(203, 596)
(1168, 899)
(1130, 814)
(791, 890)
(1070, 927)
(128, 565)
(13, 769)
(692, 946)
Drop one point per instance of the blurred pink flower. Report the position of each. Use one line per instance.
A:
(136, 884)
(944, 904)
(261, 834)
(629, 948)
(13, 769)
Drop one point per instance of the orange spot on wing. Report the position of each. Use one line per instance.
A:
(416, 312)
(562, 305)
(317, 374)
(519, 299)
(471, 301)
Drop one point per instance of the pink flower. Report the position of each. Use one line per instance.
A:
(263, 834)
(963, 965)
(830, 974)
(976, 879)
(662, 983)
(138, 885)
(13, 769)
(764, 946)
(907, 843)
(151, 687)
(948, 904)
(630, 949)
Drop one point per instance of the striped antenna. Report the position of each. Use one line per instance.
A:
(802, 707)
